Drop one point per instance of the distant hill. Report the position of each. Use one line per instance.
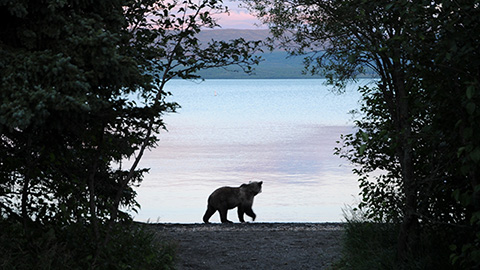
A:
(228, 34)
(275, 65)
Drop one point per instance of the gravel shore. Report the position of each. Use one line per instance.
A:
(254, 245)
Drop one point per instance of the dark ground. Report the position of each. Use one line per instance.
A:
(254, 245)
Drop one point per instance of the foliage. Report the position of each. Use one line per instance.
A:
(83, 87)
(70, 248)
(455, 114)
(379, 175)
(372, 245)
(415, 148)
(366, 244)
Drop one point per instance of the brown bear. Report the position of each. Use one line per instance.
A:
(225, 198)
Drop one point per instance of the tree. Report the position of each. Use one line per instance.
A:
(69, 70)
(413, 47)
(450, 69)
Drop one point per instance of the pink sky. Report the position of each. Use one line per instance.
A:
(239, 18)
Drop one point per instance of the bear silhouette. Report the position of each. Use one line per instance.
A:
(226, 198)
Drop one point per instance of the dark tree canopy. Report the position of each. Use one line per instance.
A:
(68, 72)
(416, 151)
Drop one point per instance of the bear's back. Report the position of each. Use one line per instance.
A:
(229, 194)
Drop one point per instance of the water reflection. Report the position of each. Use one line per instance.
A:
(287, 145)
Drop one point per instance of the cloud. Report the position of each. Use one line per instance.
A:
(239, 18)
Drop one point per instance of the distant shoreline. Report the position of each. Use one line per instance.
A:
(253, 77)
(276, 64)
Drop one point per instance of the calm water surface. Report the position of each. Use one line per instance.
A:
(229, 132)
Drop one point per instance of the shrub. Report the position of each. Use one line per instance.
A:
(373, 245)
(73, 247)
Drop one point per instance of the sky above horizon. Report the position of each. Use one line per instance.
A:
(239, 17)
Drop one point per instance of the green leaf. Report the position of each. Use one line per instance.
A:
(470, 91)
(475, 155)
(364, 135)
(456, 194)
(475, 217)
(471, 108)
(362, 149)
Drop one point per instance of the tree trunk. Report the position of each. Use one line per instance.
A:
(25, 189)
(407, 238)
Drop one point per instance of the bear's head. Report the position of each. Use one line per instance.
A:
(252, 187)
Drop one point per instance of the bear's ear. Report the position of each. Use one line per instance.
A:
(260, 183)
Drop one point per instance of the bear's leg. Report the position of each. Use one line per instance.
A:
(249, 211)
(240, 214)
(209, 213)
(223, 215)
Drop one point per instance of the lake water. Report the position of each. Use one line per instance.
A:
(229, 132)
